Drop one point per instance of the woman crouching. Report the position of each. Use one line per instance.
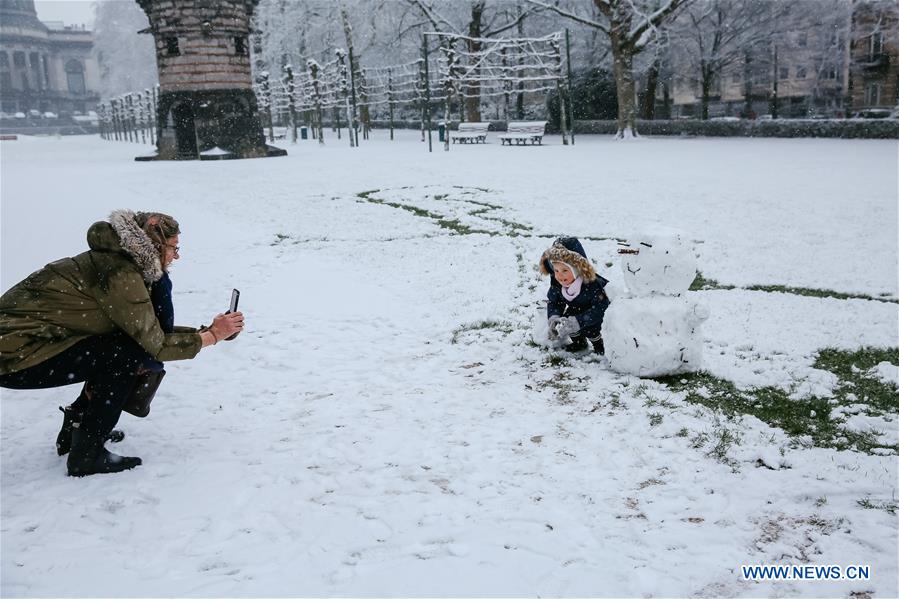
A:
(90, 319)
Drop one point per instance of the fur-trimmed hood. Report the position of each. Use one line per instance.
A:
(570, 251)
(121, 233)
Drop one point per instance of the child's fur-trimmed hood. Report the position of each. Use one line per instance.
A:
(571, 253)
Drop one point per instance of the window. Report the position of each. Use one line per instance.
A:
(876, 46)
(784, 73)
(735, 78)
(761, 76)
(46, 71)
(5, 81)
(25, 86)
(830, 72)
(35, 61)
(4, 60)
(802, 40)
(18, 59)
(171, 46)
(240, 46)
(75, 77)
(801, 72)
(872, 94)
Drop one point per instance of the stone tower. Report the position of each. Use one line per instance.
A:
(206, 99)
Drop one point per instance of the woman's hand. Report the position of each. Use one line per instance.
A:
(225, 325)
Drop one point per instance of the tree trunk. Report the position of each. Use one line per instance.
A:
(364, 114)
(706, 84)
(747, 100)
(519, 98)
(648, 105)
(472, 89)
(623, 67)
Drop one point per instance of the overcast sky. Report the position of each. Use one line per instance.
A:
(71, 12)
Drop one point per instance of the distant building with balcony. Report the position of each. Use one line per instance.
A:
(874, 66)
(830, 68)
(46, 67)
(800, 73)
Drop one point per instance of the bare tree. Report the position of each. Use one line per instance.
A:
(716, 35)
(630, 26)
(127, 59)
(481, 19)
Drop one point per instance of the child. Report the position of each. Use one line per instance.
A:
(576, 299)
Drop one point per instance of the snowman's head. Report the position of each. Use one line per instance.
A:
(658, 262)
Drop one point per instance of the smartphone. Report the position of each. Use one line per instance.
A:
(235, 298)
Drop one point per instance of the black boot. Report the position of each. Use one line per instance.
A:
(577, 344)
(88, 456)
(598, 346)
(64, 438)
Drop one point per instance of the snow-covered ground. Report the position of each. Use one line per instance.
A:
(385, 427)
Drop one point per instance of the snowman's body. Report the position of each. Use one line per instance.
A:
(654, 330)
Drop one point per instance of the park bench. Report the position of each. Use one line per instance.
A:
(471, 132)
(524, 132)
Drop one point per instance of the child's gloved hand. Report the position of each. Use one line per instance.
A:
(567, 327)
(554, 322)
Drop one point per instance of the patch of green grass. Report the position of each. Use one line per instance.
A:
(888, 506)
(456, 226)
(652, 401)
(450, 224)
(852, 370)
(485, 207)
(808, 292)
(655, 418)
(496, 325)
(699, 440)
(723, 439)
(701, 283)
(556, 361)
(806, 417)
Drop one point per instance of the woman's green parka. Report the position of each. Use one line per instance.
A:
(97, 292)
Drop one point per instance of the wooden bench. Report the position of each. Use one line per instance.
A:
(471, 132)
(524, 132)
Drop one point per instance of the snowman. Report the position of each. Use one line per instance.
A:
(654, 329)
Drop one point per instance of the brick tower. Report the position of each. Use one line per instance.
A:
(206, 98)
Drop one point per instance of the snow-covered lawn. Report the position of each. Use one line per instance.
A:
(385, 426)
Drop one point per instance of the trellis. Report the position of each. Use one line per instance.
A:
(129, 117)
(502, 68)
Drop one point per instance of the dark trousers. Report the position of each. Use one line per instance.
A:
(107, 363)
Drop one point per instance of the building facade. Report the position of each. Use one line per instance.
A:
(44, 67)
(816, 66)
(874, 67)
